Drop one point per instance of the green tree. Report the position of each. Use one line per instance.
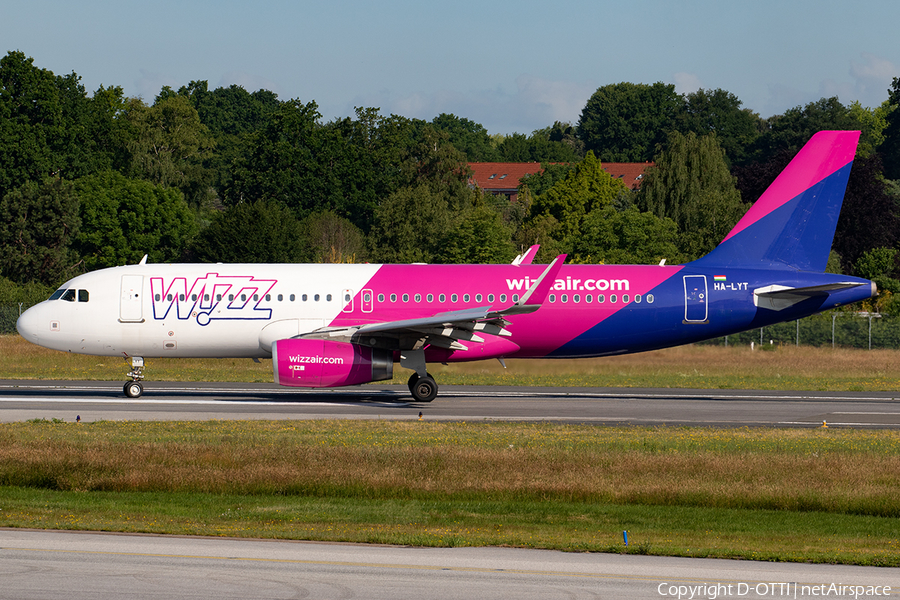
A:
(468, 137)
(480, 237)
(412, 225)
(890, 147)
(625, 237)
(587, 187)
(257, 232)
(334, 239)
(797, 125)
(38, 223)
(718, 111)
(123, 219)
(31, 120)
(624, 122)
(881, 266)
(691, 185)
(167, 143)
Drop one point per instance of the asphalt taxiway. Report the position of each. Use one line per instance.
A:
(97, 566)
(21, 400)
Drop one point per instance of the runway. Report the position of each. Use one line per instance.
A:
(93, 401)
(96, 566)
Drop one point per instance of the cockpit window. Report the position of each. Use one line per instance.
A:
(69, 296)
(83, 295)
(57, 294)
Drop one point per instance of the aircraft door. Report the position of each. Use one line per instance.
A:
(696, 305)
(131, 304)
(368, 301)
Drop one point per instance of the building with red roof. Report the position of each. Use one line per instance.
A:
(504, 178)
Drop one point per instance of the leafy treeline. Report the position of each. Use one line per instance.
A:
(90, 181)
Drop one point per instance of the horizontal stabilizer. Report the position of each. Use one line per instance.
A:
(780, 297)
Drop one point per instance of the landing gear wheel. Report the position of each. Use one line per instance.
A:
(133, 389)
(423, 389)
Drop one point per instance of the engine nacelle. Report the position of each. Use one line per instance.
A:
(325, 363)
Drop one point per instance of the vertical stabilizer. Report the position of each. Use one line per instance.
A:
(792, 224)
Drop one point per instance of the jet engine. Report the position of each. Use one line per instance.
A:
(325, 363)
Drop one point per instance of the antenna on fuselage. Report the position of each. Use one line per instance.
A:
(143, 260)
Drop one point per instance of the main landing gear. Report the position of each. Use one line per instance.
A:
(422, 386)
(133, 388)
(423, 389)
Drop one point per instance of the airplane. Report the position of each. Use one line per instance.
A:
(326, 325)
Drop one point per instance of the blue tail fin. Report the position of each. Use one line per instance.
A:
(792, 224)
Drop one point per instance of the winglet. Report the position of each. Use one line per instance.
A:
(527, 257)
(537, 293)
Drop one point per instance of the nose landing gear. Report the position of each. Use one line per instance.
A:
(133, 388)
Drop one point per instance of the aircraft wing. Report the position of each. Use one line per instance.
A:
(445, 329)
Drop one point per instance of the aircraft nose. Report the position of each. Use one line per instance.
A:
(27, 324)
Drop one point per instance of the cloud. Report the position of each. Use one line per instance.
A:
(686, 83)
(872, 77)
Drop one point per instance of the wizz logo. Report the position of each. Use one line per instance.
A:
(211, 297)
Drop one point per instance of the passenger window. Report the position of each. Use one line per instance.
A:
(418, 297)
(280, 297)
(304, 297)
(442, 298)
(206, 297)
(294, 297)
(193, 297)
(637, 298)
(453, 297)
(601, 298)
(625, 298)
(430, 297)
(347, 297)
(181, 297)
(649, 298)
(381, 297)
(157, 297)
(218, 297)
(393, 297)
(564, 298)
(502, 297)
(316, 297)
(268, 297)
(406, 297)
(588, 298)
(169, 298)
(83, 295)
(477, 297)
(466, 297)
(576, 298)
(255, 297)
(515, 298)
(490, 297)
(612, 298)
(552, 298)
(328, 298)
(243, 298)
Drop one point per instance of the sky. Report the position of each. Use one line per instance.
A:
(512, 66)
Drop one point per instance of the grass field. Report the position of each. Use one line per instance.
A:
(821, 495)
(809, 495)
